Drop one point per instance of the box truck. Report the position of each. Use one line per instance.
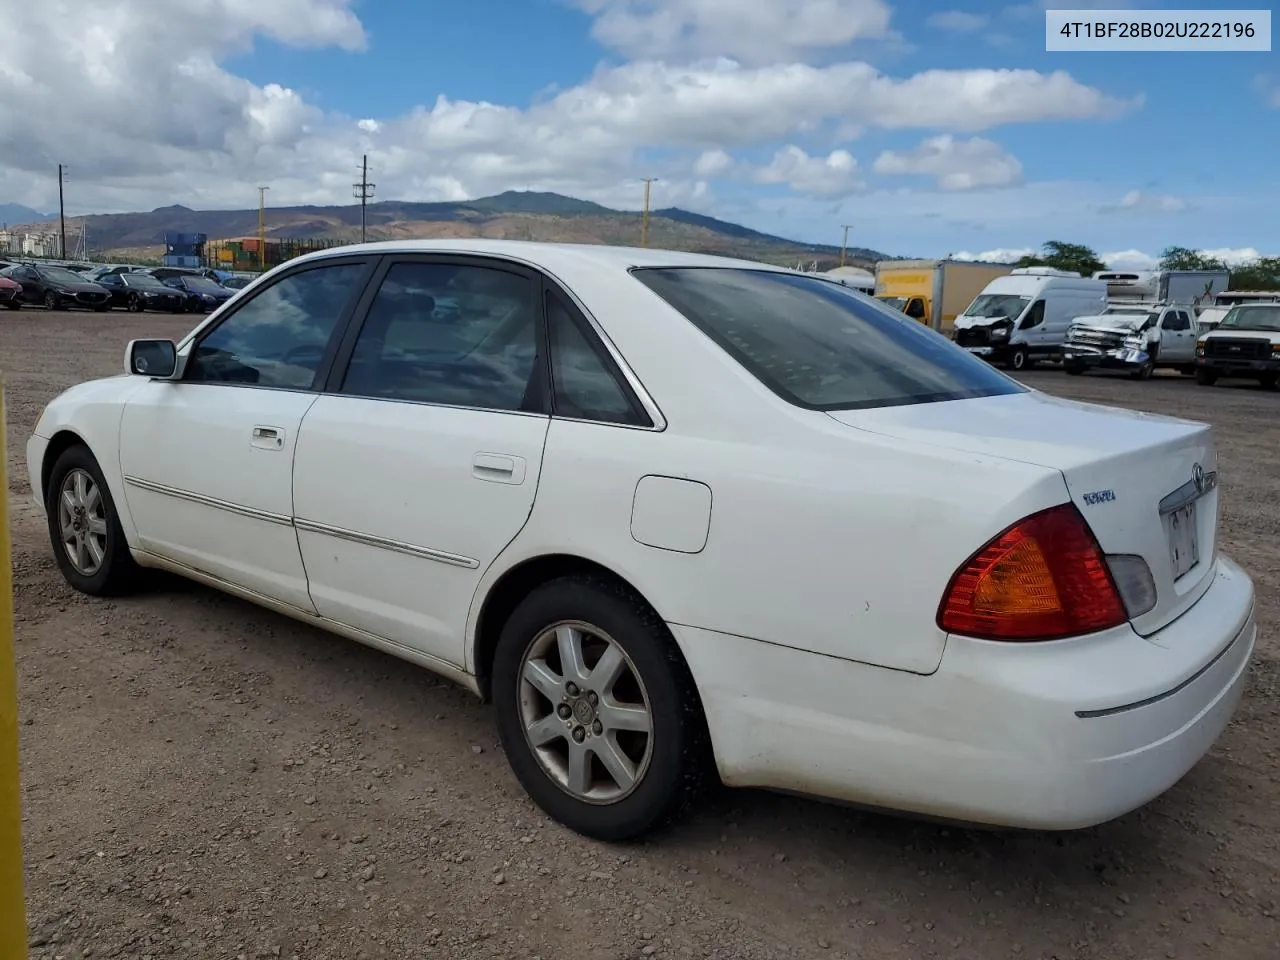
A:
(934, 291)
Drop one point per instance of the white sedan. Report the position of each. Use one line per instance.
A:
(677, 514)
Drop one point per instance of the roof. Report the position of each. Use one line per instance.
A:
(548, 255)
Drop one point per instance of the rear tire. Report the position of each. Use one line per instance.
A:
(84, 528)
(541, 700)
(1206, 378)
(51, 301)
(1075, 369)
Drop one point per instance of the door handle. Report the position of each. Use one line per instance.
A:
(267, 438)
(498, 468)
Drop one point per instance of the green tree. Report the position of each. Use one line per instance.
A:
(1184, 258)
(1261, 274)
(1065, 256)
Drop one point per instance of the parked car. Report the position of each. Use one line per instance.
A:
(10, 293)
(1136, 338)
(58, 288)
(201, 294)
(138, 292)
(112, 268)
(237, 283)
(666, 509)
(1245, 344)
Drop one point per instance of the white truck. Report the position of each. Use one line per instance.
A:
(1245, 344)
(1134, 337)
(1195, 287)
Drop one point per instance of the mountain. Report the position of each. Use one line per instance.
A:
(17, 213)
(514, 215)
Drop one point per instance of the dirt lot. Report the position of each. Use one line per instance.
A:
(205, 779)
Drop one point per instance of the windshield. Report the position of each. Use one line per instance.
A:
(1254, 316)
(993, 305)
(141, 280)
(60, 275)
(894, 303)
(819, 345)
(201, 285)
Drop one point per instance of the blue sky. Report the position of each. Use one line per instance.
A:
(899, 118)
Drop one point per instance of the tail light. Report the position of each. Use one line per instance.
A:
(1044, 578)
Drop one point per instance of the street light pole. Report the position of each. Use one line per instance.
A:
(262, 227)
(644, 217)
(844, 244)
(62, 217)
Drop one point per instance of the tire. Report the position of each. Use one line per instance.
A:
(51, 301)
(1145, 371)
(13, 304)
(136, 305)
(77, 473)
(669, 761)
(1075, 369)
(1269, 381)
(1019, 359)
(1206, 378)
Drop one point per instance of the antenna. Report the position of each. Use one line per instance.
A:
(363, 192)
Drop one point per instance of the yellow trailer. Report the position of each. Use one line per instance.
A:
(934, 292)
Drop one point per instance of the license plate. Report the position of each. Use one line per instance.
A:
(1184, 540)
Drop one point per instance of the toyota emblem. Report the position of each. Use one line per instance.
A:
(1197, 476)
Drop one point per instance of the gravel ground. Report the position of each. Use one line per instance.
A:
(206, 779)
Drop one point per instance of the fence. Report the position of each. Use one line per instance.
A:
(244, 254)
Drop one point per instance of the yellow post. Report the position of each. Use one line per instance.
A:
(13, 911)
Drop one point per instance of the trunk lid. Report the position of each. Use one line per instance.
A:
(1146, 484)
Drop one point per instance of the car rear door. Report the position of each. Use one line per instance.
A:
(208, 459)
(420, 462)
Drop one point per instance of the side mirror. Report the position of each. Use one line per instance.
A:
(157, 359)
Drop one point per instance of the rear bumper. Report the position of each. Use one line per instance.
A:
(1041, 736)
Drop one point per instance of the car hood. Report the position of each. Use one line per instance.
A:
(1220, 332)
(1119, 322)
(81, 287)
(968, 323)
(1119, 466)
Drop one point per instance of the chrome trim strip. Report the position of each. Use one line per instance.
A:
(1189, 492)
(385, 543)
(213, 502)
(1125, 708)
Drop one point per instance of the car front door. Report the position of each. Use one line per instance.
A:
(207, 459)
(419, 463)
(1177, 342)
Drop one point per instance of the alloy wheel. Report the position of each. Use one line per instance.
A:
(585, 712)
(82, 521)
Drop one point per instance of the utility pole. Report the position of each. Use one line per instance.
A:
(363, 192)
(844, 243)
(262, 227)
(644, 217)
(62, 217)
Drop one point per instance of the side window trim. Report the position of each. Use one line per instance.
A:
(324, 367)
(618, 362)
(601, 352)
(346, 345)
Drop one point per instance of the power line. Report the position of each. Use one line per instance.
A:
(364, 193)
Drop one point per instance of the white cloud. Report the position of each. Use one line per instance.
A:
(1129, 260)
(1234, 256)
(998, 255)
(957, 164)
(1138, 201)
(713, 163)
(835, 175)
(213, 136)
(776, 31)
(958, 21)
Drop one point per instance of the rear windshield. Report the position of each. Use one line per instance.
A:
(819, 344)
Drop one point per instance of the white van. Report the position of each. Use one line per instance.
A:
(1025, 316)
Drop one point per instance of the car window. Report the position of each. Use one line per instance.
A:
(277, 337)
(1034, 317)
(585, 384)
(452, 334)
(819, 345)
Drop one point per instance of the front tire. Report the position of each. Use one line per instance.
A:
(1019, 359)
(84, 528)
(1269, 381)
(51, 301)
(1144, 371)
(136, 305)
(596, 709)
(1205, 377)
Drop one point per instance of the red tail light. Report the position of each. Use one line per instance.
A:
(1042, 579)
